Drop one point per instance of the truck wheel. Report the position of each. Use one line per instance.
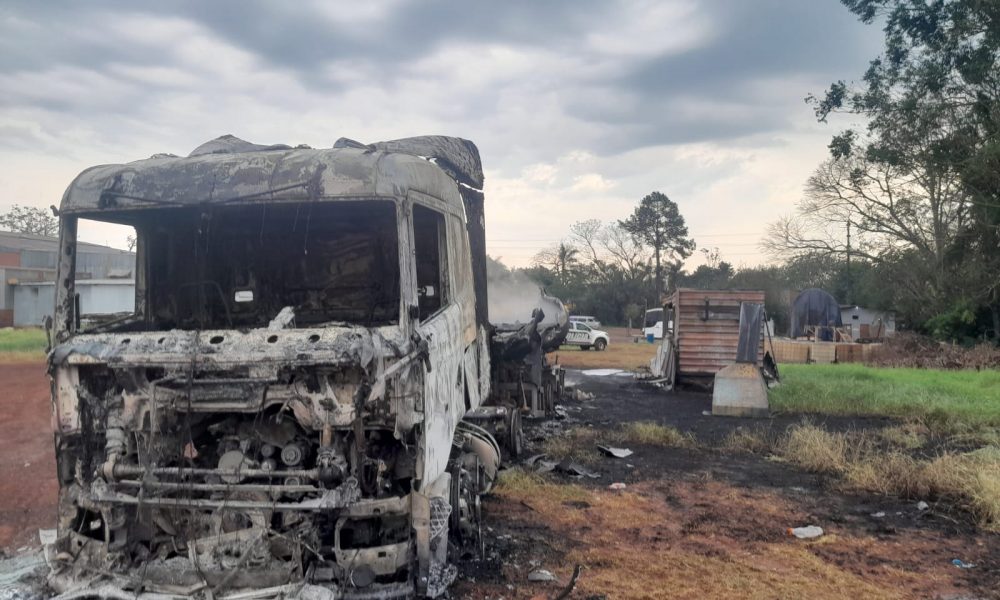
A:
(600, 345)
(584, 347)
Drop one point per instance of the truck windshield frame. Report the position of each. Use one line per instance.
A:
(334, 262)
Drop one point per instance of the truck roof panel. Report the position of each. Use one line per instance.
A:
(230, 170)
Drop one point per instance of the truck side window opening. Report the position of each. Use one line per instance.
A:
(431, 251)
(104, 280)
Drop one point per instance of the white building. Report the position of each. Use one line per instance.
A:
(867, 323)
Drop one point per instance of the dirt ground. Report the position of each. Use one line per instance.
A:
(622, 353)
(27, 467)
(692, 522)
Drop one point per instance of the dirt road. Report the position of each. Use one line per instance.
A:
(27, 460)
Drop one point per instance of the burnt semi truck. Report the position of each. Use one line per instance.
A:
(282, 415)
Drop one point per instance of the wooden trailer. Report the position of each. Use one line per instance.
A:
(705, 333)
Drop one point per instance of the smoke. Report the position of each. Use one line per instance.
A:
(513, 296)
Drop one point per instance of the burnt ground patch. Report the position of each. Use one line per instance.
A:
(700, 508)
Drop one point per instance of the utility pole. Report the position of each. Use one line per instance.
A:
(850, 291)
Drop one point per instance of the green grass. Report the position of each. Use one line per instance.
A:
(942, 399)
(22, 343)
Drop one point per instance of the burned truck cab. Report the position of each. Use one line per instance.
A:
(280, 414)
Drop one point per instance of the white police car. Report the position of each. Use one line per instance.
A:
(586, 336)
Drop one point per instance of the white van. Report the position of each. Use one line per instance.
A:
(585, 319)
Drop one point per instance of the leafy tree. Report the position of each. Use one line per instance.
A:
(865, 208)
(932, 103)
(657, 221)
(29, 219)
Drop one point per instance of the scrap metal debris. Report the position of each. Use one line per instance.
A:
(566, 591)
(541, 575)
(575, 469)
(615, 452)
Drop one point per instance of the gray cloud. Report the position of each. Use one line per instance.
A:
(634, 84)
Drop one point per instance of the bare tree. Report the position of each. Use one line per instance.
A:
(561, 259)
(881, 211)
(625, 250)
(587, 236)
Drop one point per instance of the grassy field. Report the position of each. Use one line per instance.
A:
(968, 397)
(619, 355)
(22, 344)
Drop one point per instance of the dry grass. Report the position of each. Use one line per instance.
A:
(654, 434)
(580, 443)
(815, 449)
(909, 436)
(535, 488)
(19, 357)
(754, 441)
(970, 480)
(627, 355)
(632, 547)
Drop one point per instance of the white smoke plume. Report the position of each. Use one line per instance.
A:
(513, 296)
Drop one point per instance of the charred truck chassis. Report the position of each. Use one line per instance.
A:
(282, 413)
(521, 375)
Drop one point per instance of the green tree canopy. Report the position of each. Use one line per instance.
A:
(657, 221)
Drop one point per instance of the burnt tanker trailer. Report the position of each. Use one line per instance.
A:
(282, 415)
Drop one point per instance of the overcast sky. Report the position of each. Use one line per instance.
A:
(579, 108)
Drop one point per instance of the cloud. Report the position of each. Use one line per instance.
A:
(591, 182)
(579, 108)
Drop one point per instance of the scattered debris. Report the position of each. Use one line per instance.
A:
(532, 460)
(615, 452)
(18, 569)
(575, 469)
(805, 533)
(541, 575)
(580, 395)
(906, 349)
(571, 585)
(617, 486)
(878, 515)
(961, 564)
(922, 505)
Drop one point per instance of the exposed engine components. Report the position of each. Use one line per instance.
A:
(292, 455)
